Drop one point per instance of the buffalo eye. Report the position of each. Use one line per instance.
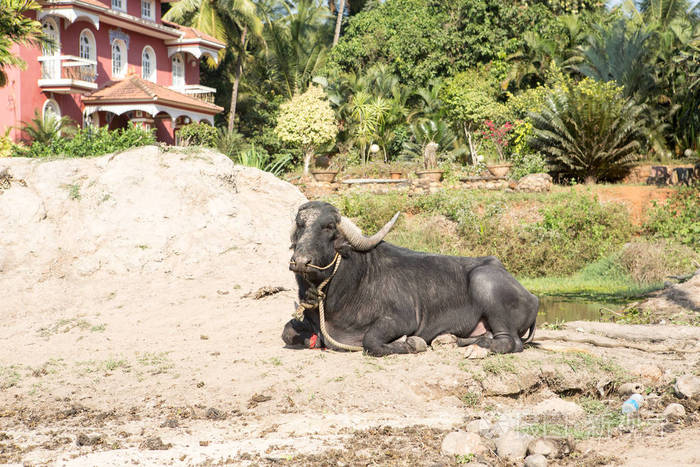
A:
(329, 227)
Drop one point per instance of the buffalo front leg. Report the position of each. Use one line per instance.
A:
(297, 333)
(380, 339)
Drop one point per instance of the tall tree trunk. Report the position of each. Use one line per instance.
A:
(338, 21)
(239, 71)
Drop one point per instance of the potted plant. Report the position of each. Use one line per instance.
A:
(431, 171)
(334, 165)
(498, 136)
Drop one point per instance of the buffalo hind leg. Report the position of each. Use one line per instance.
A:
(380, 339)
(503, 342)
(297, 333)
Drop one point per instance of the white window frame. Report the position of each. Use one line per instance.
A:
(92, 44)
(151, 14)
(178, 79)
(119, 5)
(52, 103)
(153, 71)
(119, 73)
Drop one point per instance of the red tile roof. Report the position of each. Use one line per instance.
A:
(192, 33)
(133, 88)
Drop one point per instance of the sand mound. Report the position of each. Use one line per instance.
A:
(141, 213)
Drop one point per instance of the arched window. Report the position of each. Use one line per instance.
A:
(178, 71)
(147, 9)
(88, 51)
(51, 66)
(148, 64)
(118, 59)
(51, 109)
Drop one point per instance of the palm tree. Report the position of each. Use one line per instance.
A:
(44, 129)
(230, 21)
(297, 46)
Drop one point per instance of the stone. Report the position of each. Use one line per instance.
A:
(443, 341)
(476, 352)
(417, 344)
(674, 412)
(536, 460)
(543, 446)
(627, 389)
(480, 427)
(512, 445)
(461, 443)
(535, 183)
(558, 408)
(687, 387)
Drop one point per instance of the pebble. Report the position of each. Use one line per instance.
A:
(444, 341)
(627, 389)
(475, 352)
(543, 446)
(417, 344)
(461, 443)
(512, 445)
(480, 426)
(536, 460)
(674, 412)
(556, 407)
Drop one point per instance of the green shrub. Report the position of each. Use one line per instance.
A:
(589, 131)
(198, 134)
(6, 144)
(678, 219)
(88, 142)
(524, 164)
(567, 231)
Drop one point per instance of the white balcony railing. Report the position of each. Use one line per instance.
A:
(67, 70)
(198, 91)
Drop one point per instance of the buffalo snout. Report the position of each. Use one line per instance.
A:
(299, 263)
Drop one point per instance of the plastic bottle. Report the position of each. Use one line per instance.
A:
(632, 404)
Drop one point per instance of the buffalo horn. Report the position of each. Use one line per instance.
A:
(357, 239)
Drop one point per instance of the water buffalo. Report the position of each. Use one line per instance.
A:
(380, 292)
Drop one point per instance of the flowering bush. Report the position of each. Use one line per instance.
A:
(498, 135)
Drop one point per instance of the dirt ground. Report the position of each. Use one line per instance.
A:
(129, 335)
(637, 198)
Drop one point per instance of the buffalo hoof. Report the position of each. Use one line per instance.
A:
(416, 344)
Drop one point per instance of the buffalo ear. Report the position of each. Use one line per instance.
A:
(342, 246)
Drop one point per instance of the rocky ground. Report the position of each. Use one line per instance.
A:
(133, 333)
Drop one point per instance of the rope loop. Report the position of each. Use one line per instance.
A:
(299, 313)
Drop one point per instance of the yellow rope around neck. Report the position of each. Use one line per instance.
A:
(299, 314)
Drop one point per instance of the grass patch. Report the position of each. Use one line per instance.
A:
(471, 399)
(156, 363)
(498, 364)
(579, 361)
(65, 325)
(600, 421)
(9, 376)
(73, 191)
(102, 366)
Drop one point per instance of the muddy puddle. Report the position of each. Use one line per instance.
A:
(554, 309)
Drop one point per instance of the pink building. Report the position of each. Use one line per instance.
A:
(114, 61)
